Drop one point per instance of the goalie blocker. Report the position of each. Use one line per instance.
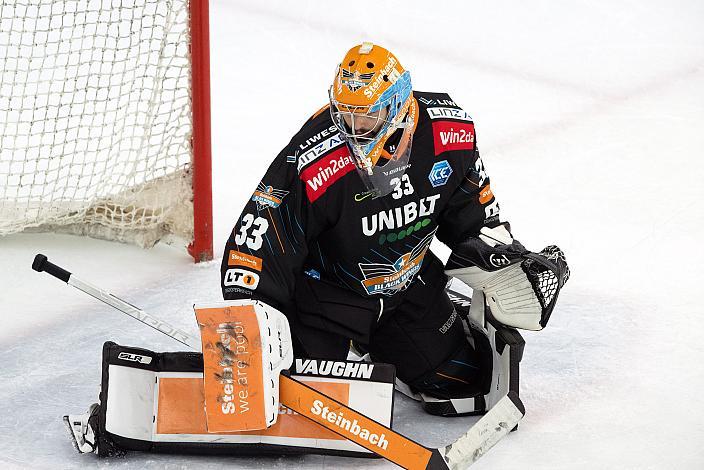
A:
(155, 402)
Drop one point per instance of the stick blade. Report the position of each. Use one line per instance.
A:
(490, 429)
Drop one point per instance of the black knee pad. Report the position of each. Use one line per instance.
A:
(465, 373)
(494, 348)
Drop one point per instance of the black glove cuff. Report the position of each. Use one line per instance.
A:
(474, 252)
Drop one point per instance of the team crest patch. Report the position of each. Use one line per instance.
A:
(355, 80)
(267, 196)
(388, 279)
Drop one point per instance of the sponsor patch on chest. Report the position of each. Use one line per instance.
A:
(453, 136)
(448, 113)
(330, 168)
(398, 217)
(318, 150)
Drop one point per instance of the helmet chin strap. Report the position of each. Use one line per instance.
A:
(363, 161)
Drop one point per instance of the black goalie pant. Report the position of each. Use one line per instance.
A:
(418, 331)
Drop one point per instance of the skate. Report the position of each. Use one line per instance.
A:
(81, 430)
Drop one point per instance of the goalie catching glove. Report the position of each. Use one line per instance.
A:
(521, 287)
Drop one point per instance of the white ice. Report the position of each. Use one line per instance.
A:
(590, 118)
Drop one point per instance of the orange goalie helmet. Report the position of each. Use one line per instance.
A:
(372, 105)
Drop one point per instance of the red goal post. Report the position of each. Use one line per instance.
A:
(105, 120)
(201, 248)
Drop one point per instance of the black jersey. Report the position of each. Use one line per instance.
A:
(312, 215)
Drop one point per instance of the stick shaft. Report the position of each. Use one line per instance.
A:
(352, 425)
(134, 312)
(42, 264)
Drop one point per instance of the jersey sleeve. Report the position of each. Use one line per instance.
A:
(472, 205)
(269, 243)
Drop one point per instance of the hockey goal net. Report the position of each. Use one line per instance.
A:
(104, 120)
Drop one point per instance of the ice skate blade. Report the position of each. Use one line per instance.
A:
(74, 443)
(77, 439)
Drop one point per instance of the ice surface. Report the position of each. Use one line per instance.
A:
(590, 118)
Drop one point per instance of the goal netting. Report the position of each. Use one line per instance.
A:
(96, 118)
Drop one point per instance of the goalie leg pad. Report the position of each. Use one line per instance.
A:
(499, 349)
(507, 346)
(246, 344)
(154, 402)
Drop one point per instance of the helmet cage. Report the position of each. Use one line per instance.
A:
(371, 116)
(367, 144)
(394, 99)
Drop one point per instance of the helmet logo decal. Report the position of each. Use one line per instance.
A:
(389, 72)
(355, 80)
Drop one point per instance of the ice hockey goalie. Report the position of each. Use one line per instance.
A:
(334, 242)
(337, 233)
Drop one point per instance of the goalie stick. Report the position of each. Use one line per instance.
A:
(393, 446)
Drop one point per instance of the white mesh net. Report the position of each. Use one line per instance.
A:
(95, 118)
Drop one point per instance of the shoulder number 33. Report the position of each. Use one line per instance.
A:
(253, 240)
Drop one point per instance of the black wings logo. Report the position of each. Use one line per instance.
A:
(355, 80)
